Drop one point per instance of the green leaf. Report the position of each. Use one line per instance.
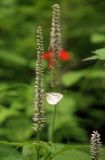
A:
(29, 151)
(45, 149)
(100, 53)
(103, 154)
(12, 58)
(18, 126)
(72, 155)
(90, 58)
(5, 113)
(72, 77)
(97, 38)
(95, 73)
(9, 153)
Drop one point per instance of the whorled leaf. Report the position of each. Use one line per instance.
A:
(99, 55)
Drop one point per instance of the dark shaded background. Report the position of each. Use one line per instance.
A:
(83, 83)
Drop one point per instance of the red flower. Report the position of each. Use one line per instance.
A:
(47, 55)
(63, 55)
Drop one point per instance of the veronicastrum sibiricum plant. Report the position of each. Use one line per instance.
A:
(56, 52)
(95, 146)
(53, 56)
(39, 115)
(39, 119)
(55, 47)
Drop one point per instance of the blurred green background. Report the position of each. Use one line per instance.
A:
(83, 83)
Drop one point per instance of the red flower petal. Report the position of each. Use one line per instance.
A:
(64, 55)
(47, 55)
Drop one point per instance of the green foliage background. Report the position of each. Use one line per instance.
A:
(83, 83)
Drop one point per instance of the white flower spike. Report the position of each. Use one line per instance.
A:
(53, 98)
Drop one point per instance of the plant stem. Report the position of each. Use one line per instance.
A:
(38, 144)
(53, 122)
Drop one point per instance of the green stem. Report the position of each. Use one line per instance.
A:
(38, 145)
(53, 122)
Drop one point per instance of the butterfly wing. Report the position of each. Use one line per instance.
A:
(53, 98)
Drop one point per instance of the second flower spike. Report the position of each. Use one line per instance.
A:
(56, 51)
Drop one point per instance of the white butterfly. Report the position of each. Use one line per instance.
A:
(53, 98)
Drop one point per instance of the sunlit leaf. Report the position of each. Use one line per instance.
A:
(9, 153)
(70, 78)
(97, 38)
(6, 113)
(99, 55)
(72, 155)
(12, 58)
(90, 58)
(95, 73)
(29, 151)
(19, 126)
